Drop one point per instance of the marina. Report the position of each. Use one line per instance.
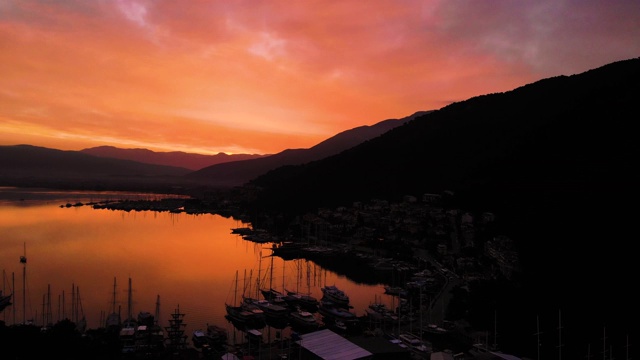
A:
(182, 268)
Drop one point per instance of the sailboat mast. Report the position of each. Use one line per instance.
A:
(113, 304)
(559, 335)
(157, 313)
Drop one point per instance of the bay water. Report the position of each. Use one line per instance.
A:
(140, 261)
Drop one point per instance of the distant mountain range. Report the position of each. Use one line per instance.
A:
(173, 158)
(116, 168)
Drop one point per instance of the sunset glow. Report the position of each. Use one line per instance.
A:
(261, 77)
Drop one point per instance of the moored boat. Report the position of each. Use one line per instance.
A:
(415, 343)
(305, 301)
(269, 309)
(335, 295)
(303, 320)
(331, 310)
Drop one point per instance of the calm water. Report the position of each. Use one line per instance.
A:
(188, 261)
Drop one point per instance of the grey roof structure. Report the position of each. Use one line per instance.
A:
(328, 345)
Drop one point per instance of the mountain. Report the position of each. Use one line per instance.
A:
(237, 173)
(142, 169)
(557, 136)
(27, 165)
(554, 160)
(174, 158)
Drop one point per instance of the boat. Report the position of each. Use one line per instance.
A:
(379, 312)
(240, 315)
(288, 250)
(127, 337)
(5, 300)
(434, 329)
(176, 340)
(299, 299)
(395, 291)
(199, 338)
(217, 334)
(269, 309)
(113, 322)
(243, 316)
(331, 310)
(335, 295)
(272, 294)
(415, 343)
(305, 301)
(303, 320)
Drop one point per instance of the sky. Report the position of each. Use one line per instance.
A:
(259, 77)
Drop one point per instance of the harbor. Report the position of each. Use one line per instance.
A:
(59, 291)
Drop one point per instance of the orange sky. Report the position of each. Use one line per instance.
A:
(209, 76)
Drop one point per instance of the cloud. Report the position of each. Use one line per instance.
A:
(277, 74)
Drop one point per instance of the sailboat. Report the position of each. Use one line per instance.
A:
(113, 321)
(239, 314)
(274, 307)
(302, 300)
(176, 338)
(78, 312)
(127, 333)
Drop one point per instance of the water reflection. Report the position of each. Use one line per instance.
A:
(184, 261)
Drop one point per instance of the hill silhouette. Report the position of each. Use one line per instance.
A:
(555, 160)
(237, 173)
(190, 161)
(566, 132)
(29, 166)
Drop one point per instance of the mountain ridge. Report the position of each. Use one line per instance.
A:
(237, 173)
(191, 161)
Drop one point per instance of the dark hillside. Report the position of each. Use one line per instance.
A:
(554, 160)
(237, 173)
(564, 132)
(29, 166)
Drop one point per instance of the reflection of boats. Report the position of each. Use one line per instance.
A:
(335, 295)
